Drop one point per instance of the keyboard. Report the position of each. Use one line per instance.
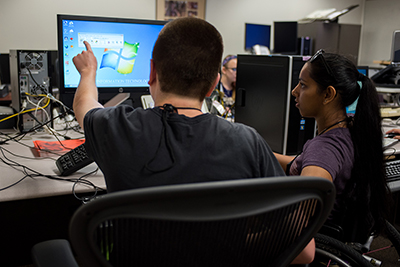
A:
(73, 160)
(392, 170)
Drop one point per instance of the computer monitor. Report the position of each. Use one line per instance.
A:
(364, 70)
(5, 68)
(257, 34)
(123, 48)
(285, 37)
(395, 56)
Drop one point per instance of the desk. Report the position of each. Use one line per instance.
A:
(36, 209)
(40, 186)
(394, 151)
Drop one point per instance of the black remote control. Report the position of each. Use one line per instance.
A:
(73, 160)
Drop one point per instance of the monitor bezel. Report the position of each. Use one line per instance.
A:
(102, 90)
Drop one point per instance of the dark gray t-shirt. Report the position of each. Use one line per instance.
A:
(134, 149)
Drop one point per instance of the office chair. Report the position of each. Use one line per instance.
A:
(249, 222)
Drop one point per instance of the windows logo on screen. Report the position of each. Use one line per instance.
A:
(121, 60)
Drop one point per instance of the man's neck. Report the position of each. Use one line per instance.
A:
(194, 105)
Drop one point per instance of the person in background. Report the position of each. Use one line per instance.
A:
(223, 97)
(347, 150)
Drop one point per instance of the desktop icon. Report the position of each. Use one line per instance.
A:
(121, 60)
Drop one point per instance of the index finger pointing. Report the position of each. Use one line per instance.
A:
(88, 47)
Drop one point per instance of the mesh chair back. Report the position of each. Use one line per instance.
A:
(252, 222)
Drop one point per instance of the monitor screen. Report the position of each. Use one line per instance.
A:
(123, 49)
(364, 70)
(257, 34)
(285, 37)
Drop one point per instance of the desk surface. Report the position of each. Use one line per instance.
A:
(39, 186)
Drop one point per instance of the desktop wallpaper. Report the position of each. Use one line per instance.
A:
(123, 51)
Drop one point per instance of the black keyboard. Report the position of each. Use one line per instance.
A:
(73, 160)
(392, 170)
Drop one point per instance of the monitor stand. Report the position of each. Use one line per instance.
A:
(117, 99)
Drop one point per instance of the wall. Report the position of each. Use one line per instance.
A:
(381, 19)
(31, 24)
(229, 16)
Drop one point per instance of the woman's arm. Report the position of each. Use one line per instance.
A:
(307, 255)
(316, 171)
(283, 160)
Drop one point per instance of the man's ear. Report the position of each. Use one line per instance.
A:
(214, 86)
(153, 73)
(330, 94)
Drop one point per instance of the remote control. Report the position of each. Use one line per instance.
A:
(73, 160)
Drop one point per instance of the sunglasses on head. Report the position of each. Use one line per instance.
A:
(320, 53)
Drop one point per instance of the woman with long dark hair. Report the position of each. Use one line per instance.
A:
(348, 148)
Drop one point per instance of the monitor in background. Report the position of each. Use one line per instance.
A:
(257, 34)
(5, 69)
(364, 70)
(285, 37)
(123, 49)
(395, 56)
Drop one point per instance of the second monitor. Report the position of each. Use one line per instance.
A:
(257, 34)
(285, 37)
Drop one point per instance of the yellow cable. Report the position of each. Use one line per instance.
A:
(29, 110)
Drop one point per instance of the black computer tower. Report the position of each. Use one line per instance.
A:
(305, 46)
(264, 101)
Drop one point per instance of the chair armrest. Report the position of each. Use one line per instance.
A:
(53, 253)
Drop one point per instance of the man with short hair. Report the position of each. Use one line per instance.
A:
(174, 142)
